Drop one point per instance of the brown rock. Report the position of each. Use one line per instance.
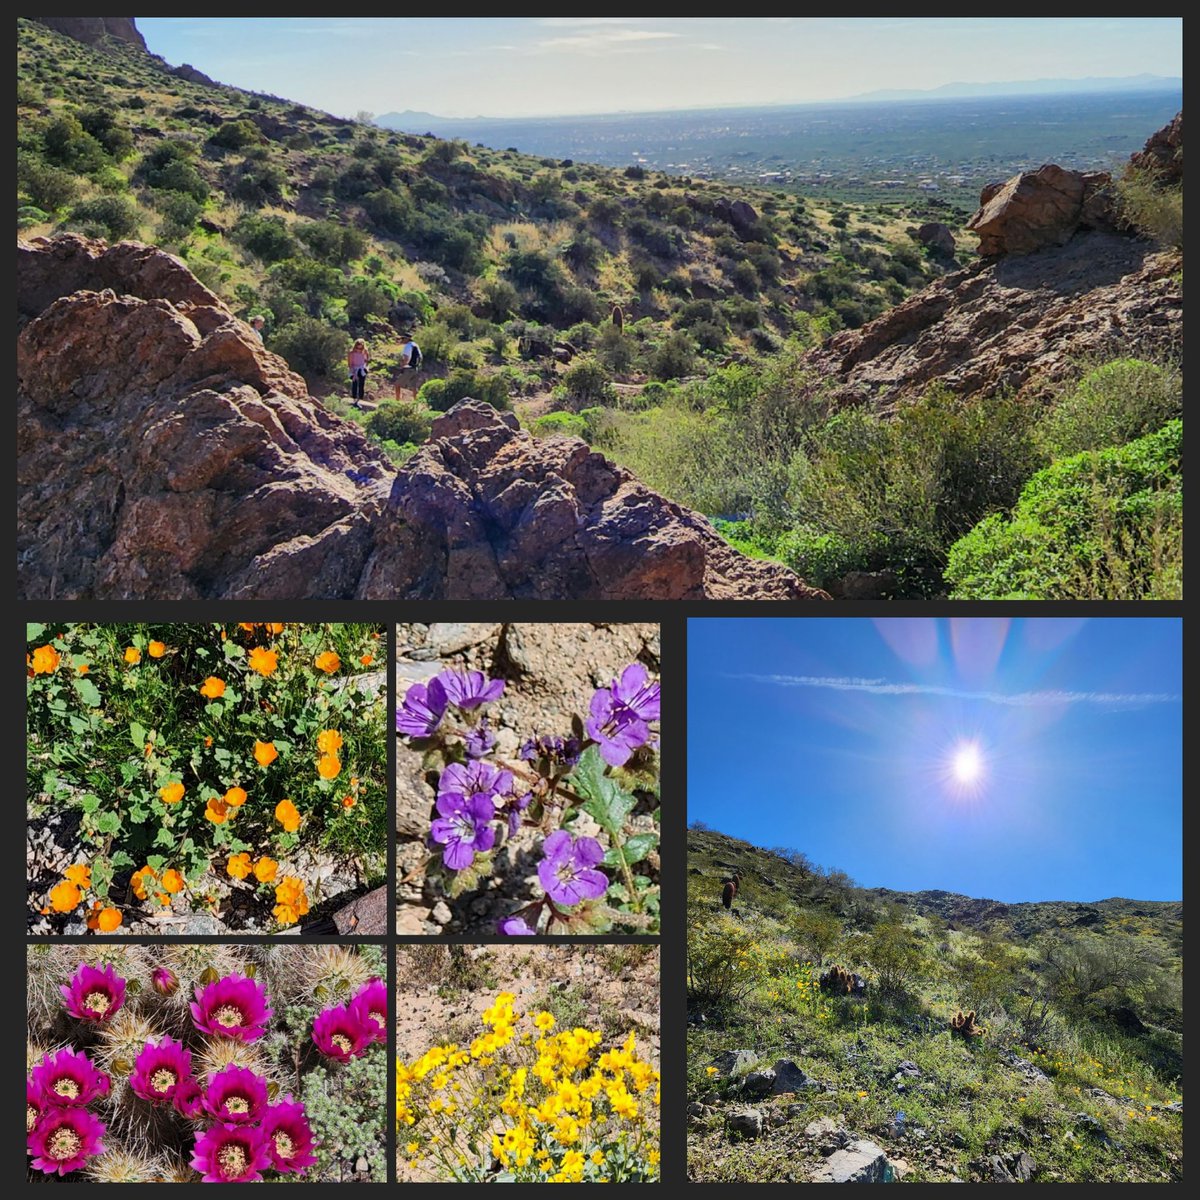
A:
(164, 452)
(937, 237)
(94, 30)
(1163, 153)
(364, 915)
(1031, 210)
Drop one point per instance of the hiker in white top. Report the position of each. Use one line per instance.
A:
(256, 323)
(357, 361)
(409, 368)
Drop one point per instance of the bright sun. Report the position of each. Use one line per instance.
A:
(967, 764)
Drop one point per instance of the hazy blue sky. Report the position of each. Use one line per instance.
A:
(520, 66)
(1023, 759)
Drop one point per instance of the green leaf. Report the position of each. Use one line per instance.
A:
(78, 725)
(605, 799)
(165, 838)
(470, 878)
(89, 803)
(88, 692)
(638, 846)
(155, 861)
(215, 708)
(121, 859)
(33, 631)
(108, 823)
(138, 813)
(137, 735)
(588, 917)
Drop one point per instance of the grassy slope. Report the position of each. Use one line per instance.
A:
(974, 1099)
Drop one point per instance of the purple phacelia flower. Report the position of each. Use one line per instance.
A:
(620, 714)
(370, 1005)
(230, 1154)
(234, 1007)
(512, 808)
(64, 1139)
(464, 827)
(514, 927)
(341, 1034)
(480, 740)
(470, 689)
(164, 981)
(69, 1078)
(161, 1070)
(469, 779)
(422, 709)
(94, 995)
(235, 1095)
(288, 1137)
(553, 749)
(567, 870)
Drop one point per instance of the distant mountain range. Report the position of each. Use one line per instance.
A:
(411, 121)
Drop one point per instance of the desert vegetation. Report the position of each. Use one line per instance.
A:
(992, 1042)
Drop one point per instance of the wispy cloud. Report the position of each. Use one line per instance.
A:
(604, 41)
(1042, 699)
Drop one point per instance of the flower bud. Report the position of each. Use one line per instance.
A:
(165, 981)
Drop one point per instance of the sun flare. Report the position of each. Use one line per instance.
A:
(967, 765)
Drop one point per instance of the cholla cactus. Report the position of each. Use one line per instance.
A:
(964, 1024)
(119, 1165)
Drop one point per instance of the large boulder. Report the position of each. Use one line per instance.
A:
(1040, 208)
(164, 453)
(1163, 153)
(937, 237)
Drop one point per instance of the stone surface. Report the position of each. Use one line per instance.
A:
(937, 237)
(164, 452)
(759, 1083)
(1163, 153)
(826, 1135)
(744, 1122)
(790, 1078)
(861, 1161)
(94, 30)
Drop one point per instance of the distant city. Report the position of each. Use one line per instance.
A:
(853, 151)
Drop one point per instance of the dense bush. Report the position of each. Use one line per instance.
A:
(403, 421)
(1154, 210)
(442, 394)
(113, 217)
(45, 186)
(332, 242)
(311, 347)
(267, 238)
(236, 135)
(67, 144)
(1112, 405)
(1102, 524)
(587, 382)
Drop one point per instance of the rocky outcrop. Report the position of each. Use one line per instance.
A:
(188, 72)
(937, 237)
(1163, 153)
(1015, 323)
(163, 452)
(1041, 208)
(94, 31)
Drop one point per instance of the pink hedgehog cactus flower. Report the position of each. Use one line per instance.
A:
(289, 1137)
(164, 981)
(370, 1007)
(35, 1105)
(69, 1078)
(230, 1154)
(64, 1139)
(236, 1095)
(94, 995)
(341, 1034)
(234, 1007)
(161, 1071)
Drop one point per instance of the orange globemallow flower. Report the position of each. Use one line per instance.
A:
(274, 627)
(133, 654)
(367, 659)
(328, 662)
(213, 688)
(287, 815)
(348, 802)
(265, 869)
(138, 880)
(328, 766)
(265, 753)
(290, 901)
(217, 811)
(265, 662)
(329, 741)
(83, 668)
(79, 875)
(65, 896)
(45, 660)
(156, 649)
(172, 881)
(235, 797)
(172, 793)
(207, 743)
(108, 919)
(238, 865)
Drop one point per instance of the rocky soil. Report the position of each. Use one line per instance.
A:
(551, 671)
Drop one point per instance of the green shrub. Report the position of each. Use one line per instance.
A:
(368, 298)
(563, 424)
(102, 124)
(113, 217)
(674, 356)
(46, 187)
(311, 347)
(442, 394)
(1114, 404)
(29, 214)
(1152, 209)
(236, 135)
(267, 238)
(400, 422)
(332, 242)
(180, 213)
(587, 382)
(168, 167)
(69, 145)
(1102, 524)
(258, 183)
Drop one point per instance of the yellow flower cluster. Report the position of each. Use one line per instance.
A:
(553, 1107)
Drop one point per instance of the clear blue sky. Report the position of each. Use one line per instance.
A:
(524, 66)
(1023, 759)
